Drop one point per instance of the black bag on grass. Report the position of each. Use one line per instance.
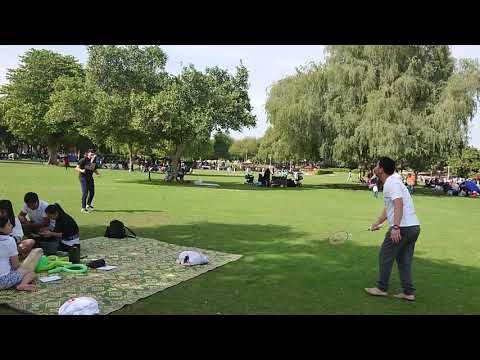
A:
(118, 230)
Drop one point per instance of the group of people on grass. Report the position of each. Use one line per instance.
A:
(25, 236)
(454, 186)
(269, 178)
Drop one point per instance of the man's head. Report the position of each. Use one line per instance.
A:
(31, 199)
(385, 167)
(90, 153)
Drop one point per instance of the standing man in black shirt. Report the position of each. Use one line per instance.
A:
(86, 167)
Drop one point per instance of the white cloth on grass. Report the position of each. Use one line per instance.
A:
(79, 306)
(8, 248)
(191, 257)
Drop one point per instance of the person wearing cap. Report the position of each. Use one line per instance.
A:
(86, 167)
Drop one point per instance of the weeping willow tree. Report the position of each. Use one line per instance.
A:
(413, 103)
(295, 107)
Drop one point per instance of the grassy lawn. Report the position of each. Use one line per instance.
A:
(288, 267)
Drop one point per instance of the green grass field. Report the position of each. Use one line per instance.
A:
(288, 267)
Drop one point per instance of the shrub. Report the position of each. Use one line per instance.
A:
(324, 172)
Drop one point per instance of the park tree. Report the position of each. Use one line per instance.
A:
(28, 99)
(246, 148)
(295, 108)
(466, 163)
(413, 103)
(200, 149)
(273, 146)
(193, 105)
(74, 103)
(221, 145)
(119, 77)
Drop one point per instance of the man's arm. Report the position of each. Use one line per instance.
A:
(80, 170)
(381, 219)
(397, 218)
(398, 211)
(22, 216)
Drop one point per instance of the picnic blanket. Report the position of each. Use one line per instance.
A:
(145, 266)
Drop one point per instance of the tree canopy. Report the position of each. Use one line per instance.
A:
(30, 94)
(413, 103)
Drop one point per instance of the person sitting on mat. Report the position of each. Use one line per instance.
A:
(11, 273)
(66, 229)
(24, 246)
(37, 218)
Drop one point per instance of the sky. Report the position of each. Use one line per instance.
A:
(265, 63)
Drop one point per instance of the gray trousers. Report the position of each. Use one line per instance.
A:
(402, 252)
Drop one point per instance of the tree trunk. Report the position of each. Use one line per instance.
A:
(176, 158)
(52, 154)
(130, 156)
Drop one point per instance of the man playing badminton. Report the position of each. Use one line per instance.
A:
(399, 242)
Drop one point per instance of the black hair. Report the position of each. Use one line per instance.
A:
(90, 150)
(3, 221)
(30, 197)
(387, 164)
(52, 209)
(7, 206)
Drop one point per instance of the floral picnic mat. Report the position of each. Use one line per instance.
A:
(144, 267)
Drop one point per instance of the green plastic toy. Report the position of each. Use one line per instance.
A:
(70, 268)
(42, 263)
(48, 263)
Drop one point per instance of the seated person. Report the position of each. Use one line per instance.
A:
(11, 273)
(24, 246)
(66, 229)
(260, 178)
(37, 218)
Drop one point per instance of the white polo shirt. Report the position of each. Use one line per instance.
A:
(394, 189)
(36, 215)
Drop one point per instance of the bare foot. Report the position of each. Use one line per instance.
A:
(375, 292)
(404, 296)
(27, 287)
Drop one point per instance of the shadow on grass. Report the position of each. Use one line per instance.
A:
(223, 185)
(284, 271)
(128, 211)
(419, 191)
(22, 162)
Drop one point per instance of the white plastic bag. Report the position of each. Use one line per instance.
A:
(79, 306)
(190, 257)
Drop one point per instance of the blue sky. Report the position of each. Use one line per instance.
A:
(266, 64)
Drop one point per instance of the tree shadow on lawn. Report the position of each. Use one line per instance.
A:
(223, 185)
(128, 211)
(284, 271)
(419, 191)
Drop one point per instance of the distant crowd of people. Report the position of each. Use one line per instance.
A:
(271, 177)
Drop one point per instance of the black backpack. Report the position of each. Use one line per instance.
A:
(118, 230)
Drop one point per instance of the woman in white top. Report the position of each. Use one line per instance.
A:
(24, 246)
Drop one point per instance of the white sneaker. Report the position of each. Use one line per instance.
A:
(90, 208)
(82, 210)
